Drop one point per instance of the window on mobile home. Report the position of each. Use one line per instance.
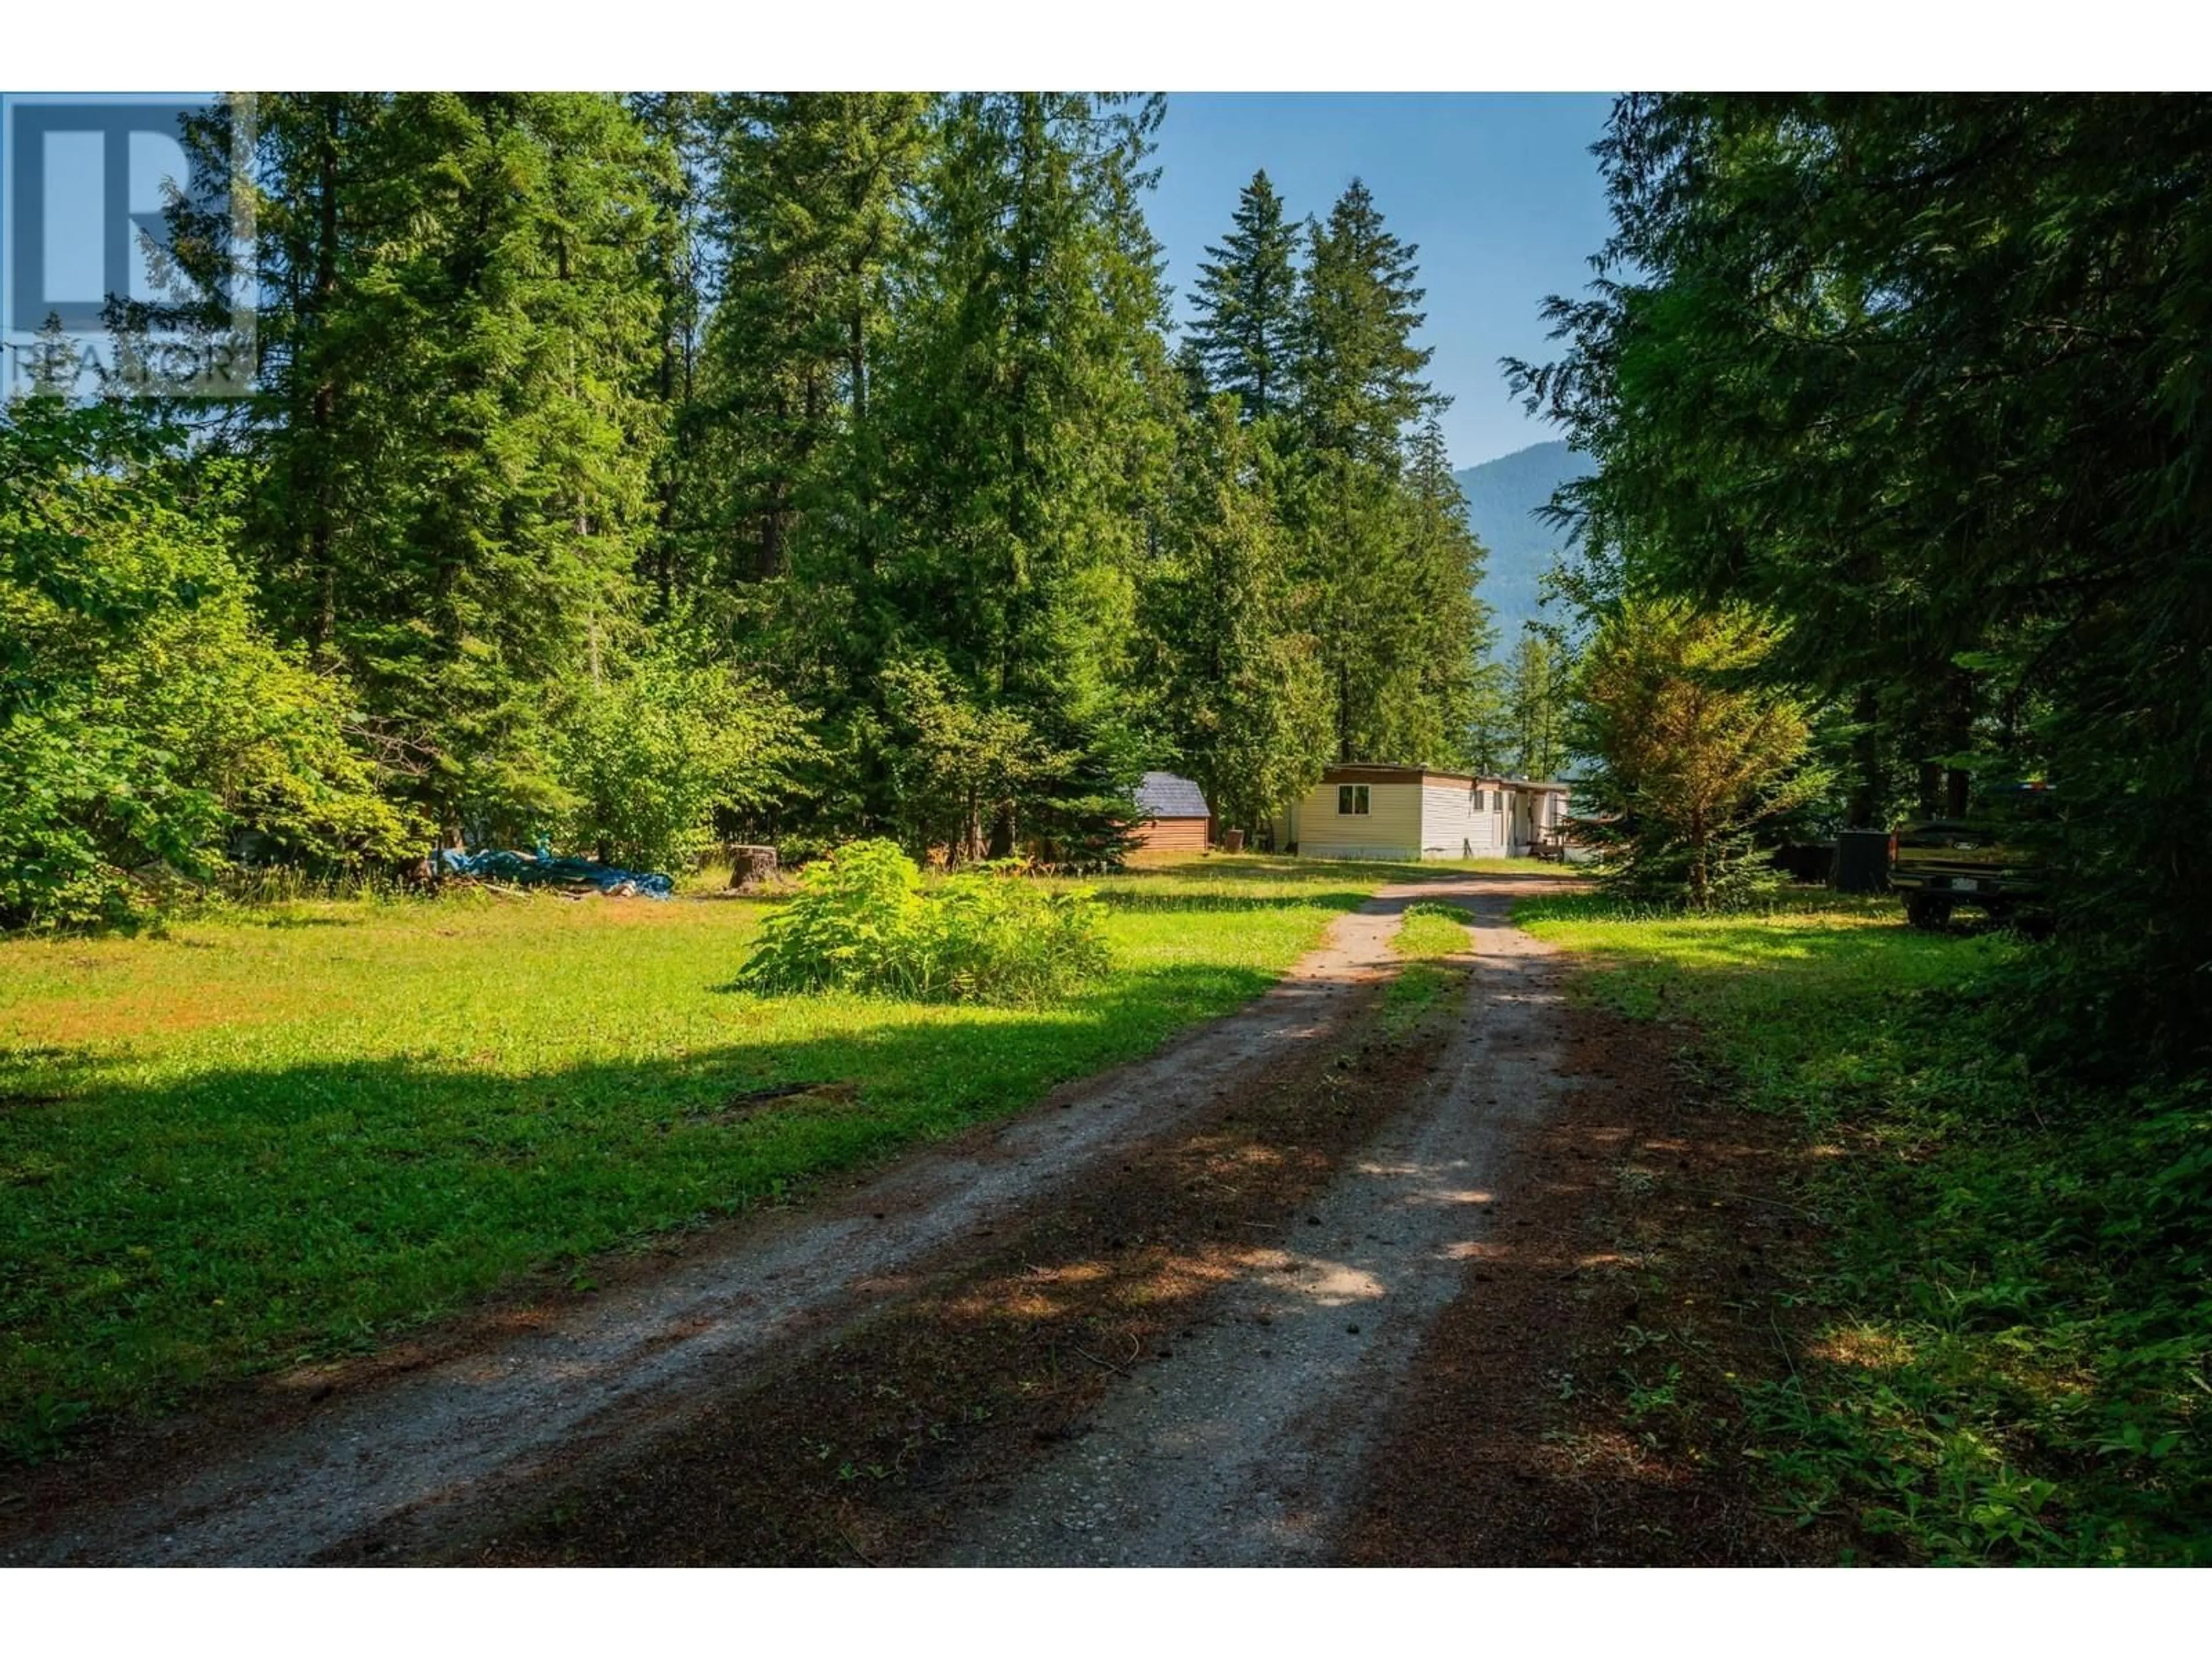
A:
(1350, 799)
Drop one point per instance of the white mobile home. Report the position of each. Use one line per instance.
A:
(1410, 813)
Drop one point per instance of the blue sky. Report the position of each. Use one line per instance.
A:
(1499, 192)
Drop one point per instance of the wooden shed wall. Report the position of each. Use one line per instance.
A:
(1171, 835)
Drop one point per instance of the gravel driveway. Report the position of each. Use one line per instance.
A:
(1239, 1450)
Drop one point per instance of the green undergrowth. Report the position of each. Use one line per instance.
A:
(289, 1132)
(863, 919)
(2003, 1353)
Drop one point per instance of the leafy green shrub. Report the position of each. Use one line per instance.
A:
(651, 757)
(863, 921)
(149, 724)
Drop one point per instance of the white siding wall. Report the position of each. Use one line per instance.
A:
(1457, 821)
(1389, 829)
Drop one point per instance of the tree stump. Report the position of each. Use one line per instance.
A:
(750, 867)
(1232, 840)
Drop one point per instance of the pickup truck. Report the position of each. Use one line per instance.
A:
(1941, 863)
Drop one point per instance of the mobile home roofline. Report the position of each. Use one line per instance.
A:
(1351, 773)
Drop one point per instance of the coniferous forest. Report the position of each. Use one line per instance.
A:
(635, 473)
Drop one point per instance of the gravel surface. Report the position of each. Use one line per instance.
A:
(1246, 1445)
(395, 1464)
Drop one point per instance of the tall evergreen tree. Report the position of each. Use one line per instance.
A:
(1914, 374)
(1359, 384)
(812, 206)
(1025, 407)
(683, 263)
(455, 429)
(1246, 701)
(1379, 520)
(1246, 304)
(1451, 631)
(1536, 707)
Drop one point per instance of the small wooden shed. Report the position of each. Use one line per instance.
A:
(1172, 814)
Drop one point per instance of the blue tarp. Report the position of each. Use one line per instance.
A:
(541, 869)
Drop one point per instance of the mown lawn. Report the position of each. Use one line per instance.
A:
(290, 1132)
(2005, 1346)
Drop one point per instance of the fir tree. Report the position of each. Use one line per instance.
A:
(1026, 410)
(1359, 384)
(1246, 304)
(810, 207)
(1536, 707)
(455, 433)
(1246, 703)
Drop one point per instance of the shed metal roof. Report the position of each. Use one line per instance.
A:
(1165, 795)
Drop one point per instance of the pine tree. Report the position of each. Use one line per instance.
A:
(455, 434)
(1536, 707)
(1452, 634)
(810, 201)
(1384, 548)
(684, 266)
(1246, 304)
(1914, 374)
(1692, 753)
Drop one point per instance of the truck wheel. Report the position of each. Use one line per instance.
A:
(1926, 910)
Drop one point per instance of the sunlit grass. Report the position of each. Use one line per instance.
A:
(290, 1132)
(1429, 929)
(1765, 988)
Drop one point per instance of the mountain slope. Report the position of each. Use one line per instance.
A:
(1502, 497)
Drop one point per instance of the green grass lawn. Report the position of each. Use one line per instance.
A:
(2011, 1332)
(290, 1133)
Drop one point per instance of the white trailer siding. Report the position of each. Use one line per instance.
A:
(1461, 821)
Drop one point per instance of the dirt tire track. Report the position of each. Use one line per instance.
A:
(1247, 1444)
(1576, 1405)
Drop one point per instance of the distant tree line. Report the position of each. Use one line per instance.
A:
(634, 472)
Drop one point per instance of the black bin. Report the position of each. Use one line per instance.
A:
(1861, 860)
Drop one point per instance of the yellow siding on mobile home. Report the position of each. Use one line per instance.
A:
(1390, 828)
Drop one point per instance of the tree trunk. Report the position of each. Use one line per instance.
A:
(1956, 778)
(751, 866)
(1866, 789)
(1698, 860)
